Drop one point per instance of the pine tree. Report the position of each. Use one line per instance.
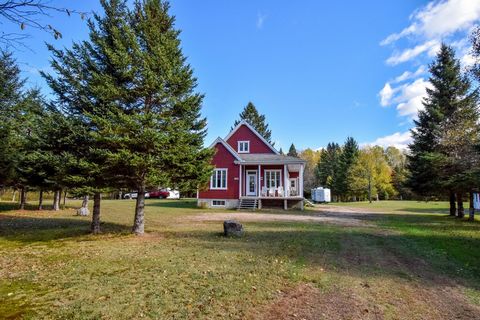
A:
(281, 151)
(145, 112)
(328, 167)
(292, 152)
(29, 173)
(447, 102)
(347, 159)
(256, 120)
(11, 86)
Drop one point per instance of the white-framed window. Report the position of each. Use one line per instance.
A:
(272, 178)
(243, 146)
(218, 203)
(218, 181)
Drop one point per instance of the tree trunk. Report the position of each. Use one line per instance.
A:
(369, 190)
(23, 198)
(471, 213)
(95, 226)
(64, 199)
(85, 202)
(56, 200)
(139, 222)
(460, 211)
(40, 200)
(453, 209)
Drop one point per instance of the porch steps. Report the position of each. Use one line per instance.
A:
(251, 204)
(308, 203)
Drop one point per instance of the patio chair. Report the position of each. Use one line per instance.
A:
(280, 191)
(271, 192)
(264, 191)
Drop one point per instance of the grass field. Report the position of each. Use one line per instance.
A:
(402, 260)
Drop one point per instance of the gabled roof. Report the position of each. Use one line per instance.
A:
(227, 146)
(245, 123)
(268, 158)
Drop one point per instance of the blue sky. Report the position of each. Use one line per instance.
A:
(319, 70)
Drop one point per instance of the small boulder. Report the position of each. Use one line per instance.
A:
(83, 212)
(232, 228)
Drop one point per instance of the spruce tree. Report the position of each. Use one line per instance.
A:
(11, 93)
(346, 160)
(433, 162)
(292, 152)
(327, 170)
(144, 111)
(256, 120)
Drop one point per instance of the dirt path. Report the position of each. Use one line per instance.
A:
(350, 217)
(254, 216)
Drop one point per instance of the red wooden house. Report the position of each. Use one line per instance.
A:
(250, 173)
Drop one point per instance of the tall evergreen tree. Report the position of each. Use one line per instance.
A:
(256, 120)
(448, 101)
(292, 152)
(327, 170)
(145, 114)
(347, 159)
(11, 93)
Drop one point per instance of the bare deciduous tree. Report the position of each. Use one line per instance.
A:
(27, 14)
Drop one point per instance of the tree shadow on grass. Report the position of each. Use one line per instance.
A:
(27, 229)
(13, 206)
(360, 251)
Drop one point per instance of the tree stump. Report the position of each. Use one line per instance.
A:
(232, 228)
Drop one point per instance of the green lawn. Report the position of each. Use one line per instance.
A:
(395, 264)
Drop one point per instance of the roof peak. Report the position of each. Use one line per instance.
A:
(249, 126)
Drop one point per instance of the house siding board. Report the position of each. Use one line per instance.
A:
(223, 159)
(245, 134)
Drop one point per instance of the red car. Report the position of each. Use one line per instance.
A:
(160, 194)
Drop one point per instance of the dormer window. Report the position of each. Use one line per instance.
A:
(243, 146)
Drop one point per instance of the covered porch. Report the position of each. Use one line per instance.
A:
(272, 183)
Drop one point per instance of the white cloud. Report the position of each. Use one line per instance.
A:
(407, 97)
(407, 75)
(439, 19)
(386, 95)
(449, 21)
(399, 140)
(260, 20)
(430, 47)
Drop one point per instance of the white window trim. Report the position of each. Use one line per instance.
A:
(271, 170)
(248, 146)
(256, 180)
(218, 205)
(226, 179)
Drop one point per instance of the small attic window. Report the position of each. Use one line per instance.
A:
(243, 146)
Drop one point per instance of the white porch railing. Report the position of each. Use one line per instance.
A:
(278, 192)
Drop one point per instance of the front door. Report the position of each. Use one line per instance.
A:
(251, 183)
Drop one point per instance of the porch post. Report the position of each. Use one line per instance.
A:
(240, 180)
(285, 181)
(259, 192)
(301, 181)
